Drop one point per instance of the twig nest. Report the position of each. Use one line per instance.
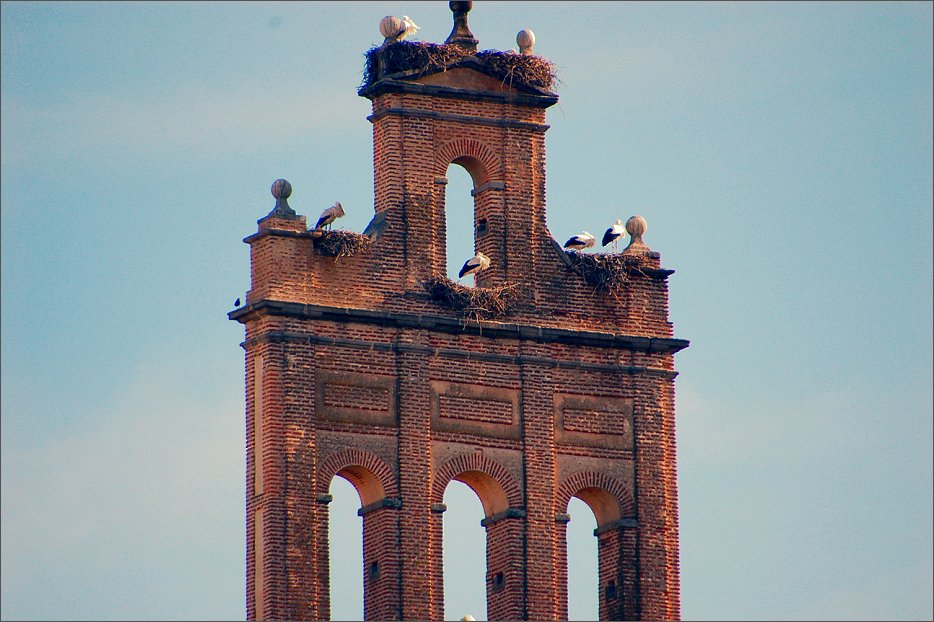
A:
(474, 303)
(526, 40)
(390, 26)
(339, 243)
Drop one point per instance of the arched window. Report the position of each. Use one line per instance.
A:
(345, 531)
(459, 221)
(583, 578)
(464, 554)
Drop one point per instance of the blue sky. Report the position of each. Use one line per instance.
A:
(780, 152)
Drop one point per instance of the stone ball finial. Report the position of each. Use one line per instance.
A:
(636, 227)
(281, 189)
(389, 27)
(526, 40)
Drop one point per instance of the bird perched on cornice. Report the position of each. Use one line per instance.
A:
(330, 215)
(580, 241)
(473, 265)
(614, 233)
(408, 28)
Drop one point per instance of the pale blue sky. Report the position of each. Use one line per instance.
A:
(780, 152)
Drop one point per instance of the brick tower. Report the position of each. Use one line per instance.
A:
(362, 363)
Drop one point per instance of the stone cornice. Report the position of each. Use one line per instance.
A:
(493, 330)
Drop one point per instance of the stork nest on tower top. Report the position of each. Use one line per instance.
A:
(473, 303)
(512, 68)
(340, 243)
(607, 272)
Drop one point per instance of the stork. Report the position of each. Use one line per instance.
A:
(614, 233)
(330, 215)
(408, 28)
(474, 265)
(580, 241)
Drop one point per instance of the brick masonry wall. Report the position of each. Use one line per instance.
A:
(399, 402)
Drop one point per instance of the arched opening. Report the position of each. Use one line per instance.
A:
(345, 547)
(459, 219)
(583, 576)
(464, 553)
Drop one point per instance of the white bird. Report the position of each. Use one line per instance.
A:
(330, 215)
(408, 28)
(580, 241)
(614, 233)
(473, 265)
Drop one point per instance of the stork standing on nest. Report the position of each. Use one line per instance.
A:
(613, 234)
(330, 215)
(474, 265)
(580, 241)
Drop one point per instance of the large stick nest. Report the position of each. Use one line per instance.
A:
(473, 303)
(607, 272)
(341, 243)
(513, 69)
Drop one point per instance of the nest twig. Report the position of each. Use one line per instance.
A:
(423, 57)
(340, 243)
(607, 272)
(519, 69)
(473, 303)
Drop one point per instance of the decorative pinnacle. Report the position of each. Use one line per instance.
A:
(525, 39)
(636, 226)
(282, 190)
(461, 35)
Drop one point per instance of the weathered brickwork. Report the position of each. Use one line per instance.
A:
(353, 371)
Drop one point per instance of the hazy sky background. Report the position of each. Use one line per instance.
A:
(780, 152)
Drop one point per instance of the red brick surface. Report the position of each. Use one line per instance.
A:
(364, 377)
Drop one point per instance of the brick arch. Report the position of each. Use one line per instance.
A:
(367, 472)
(609, 498)
(495, 486)
(481, 162)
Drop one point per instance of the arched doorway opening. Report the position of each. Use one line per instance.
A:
(583, 577)
(459, 220)
(464, 553)
(345, 547)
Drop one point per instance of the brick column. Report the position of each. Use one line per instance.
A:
(618, 583)
(381, 560)
(540, 487)
(504, 565)
(414, 477)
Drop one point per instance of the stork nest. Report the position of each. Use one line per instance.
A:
(519, 69)
(423, 57)
(341, 243)
(473, 303)
(607, 272)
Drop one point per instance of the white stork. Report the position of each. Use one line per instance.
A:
(473, 265)
(614, 233)
(408, 28)
(330, 215)
(580, 242)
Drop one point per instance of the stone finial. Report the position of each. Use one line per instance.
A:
(282, 190)
(525, 39)
(461, 35)
(390, 27)
(636, 226)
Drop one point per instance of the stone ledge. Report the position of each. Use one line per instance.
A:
(493, 330)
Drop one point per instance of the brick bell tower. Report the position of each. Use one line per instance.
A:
(356, 366)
